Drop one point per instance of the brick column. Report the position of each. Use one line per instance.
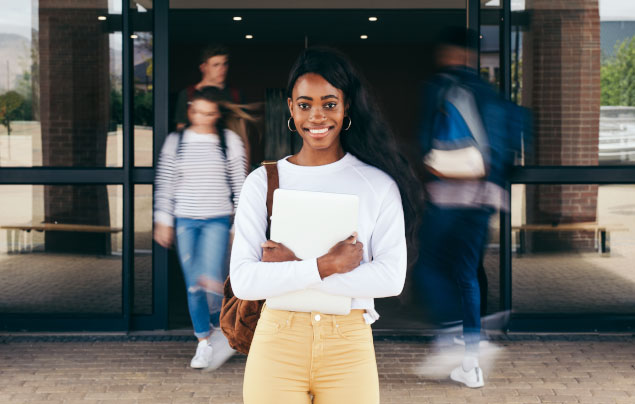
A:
(561, 83)
(74, 58)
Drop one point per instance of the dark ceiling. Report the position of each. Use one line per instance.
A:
(319, 26)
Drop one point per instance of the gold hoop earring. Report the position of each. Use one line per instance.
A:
(289, 125)
(350, 122)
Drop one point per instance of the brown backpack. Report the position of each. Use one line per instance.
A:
(238, 318)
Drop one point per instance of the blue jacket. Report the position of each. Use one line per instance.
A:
(506, 124)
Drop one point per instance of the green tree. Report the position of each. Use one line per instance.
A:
(618, 75)
(10, 104)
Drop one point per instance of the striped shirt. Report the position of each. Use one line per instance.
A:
(195, 182)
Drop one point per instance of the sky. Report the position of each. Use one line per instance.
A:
(15, 15)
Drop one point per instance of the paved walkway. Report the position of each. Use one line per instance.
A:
(122, 370)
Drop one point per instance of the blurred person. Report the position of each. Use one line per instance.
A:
(469, 136)
(199, 177)
(245, 119)
(214, 66)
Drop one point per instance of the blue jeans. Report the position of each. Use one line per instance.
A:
(202, 246)
(452, 241)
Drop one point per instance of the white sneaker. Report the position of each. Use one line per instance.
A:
(203, 356)
(222, 350)
(472, 378)
(460, 340)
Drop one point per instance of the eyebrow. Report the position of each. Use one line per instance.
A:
(325, 97)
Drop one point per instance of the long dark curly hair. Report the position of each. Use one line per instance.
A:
(370, 137)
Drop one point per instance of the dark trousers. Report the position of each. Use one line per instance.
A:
(447, 280)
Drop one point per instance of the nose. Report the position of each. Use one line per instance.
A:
(317, 115)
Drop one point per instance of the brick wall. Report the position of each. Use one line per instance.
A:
(561, 83)
(74, 85)
(74, 112)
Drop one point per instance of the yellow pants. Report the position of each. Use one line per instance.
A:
(294, 356)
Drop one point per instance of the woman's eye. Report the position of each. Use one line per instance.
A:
(330, 105)
(303, 106)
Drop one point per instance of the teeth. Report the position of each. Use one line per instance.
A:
(319, 131)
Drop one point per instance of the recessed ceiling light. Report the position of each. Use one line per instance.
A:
(102, 18)
(364, 36)
(238, 18)
(372, 19)
(249, 36)
(134, 36)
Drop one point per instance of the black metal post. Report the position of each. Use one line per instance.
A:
(128, 164)
(505, 293)
(506, 49)
(160, 88)
(473, 22)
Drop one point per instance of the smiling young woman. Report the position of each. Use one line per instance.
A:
(347, 148)
(317, 110)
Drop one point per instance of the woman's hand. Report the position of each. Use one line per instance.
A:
(343, 257)
(276, 252)
(163, 234)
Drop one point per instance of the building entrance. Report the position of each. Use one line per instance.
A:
(390, 47)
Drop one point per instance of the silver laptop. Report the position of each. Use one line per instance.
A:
(310, 223)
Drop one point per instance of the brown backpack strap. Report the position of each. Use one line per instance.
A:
(272, 184)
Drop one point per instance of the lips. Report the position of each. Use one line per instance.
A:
(318, 132)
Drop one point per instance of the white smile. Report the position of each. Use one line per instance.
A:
(319, 131)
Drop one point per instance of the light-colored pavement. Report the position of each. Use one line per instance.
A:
(122, 370)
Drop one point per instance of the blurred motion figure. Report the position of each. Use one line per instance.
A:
(469, 136)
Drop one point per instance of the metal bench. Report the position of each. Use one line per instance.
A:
(602, 233)
(20, 237)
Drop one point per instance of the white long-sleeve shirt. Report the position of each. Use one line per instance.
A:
(195, 181)
(382, 272)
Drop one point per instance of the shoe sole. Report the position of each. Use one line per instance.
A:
(218, 360)
(482, 343)
(465, 383)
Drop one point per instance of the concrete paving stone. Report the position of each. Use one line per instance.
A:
(125, 388)
(491, 391)
(524, 372)
(89, 388)
(447, 400)
(580, 392)
(597, 400)
(558, 399)
(81, 401)
(609, 393)
(65, 396)
(525, 399)
(486, 400)
(16, 397)
(155, 400)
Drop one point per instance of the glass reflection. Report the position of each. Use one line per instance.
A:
(571, 65)
(60, 84)
(143, 81)
(574, 248)
(142, 303)
(60, 249)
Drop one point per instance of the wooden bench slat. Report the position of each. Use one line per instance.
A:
(82, 228)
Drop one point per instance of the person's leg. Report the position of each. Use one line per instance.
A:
(187, 234)
(279, 361)
(435, 286)
(210, 258)
(344, 367)
(482, 283)
(470, 235)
